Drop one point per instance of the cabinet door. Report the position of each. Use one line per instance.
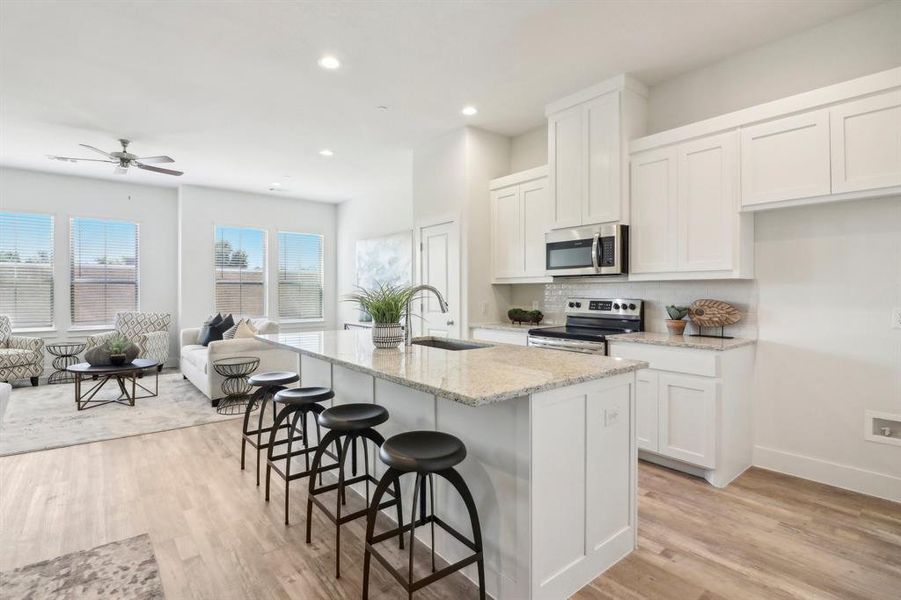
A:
(707, 203)
(785, 159)
(653, 230)
(537, 215)
(565, 158)
(687, 419)
(646, 397)
(866, 143)
(506, 234)
(603, 198)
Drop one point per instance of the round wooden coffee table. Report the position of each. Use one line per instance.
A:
(123, 375)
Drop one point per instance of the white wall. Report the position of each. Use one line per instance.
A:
(529, 149)
(382, 213)
(63, 196)
(859, 44)
(200, 209)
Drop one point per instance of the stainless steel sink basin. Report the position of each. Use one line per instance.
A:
(448, 344)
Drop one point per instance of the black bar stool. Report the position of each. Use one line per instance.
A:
(267, 385)
(350, 422)
(295, 404)
(424, 453)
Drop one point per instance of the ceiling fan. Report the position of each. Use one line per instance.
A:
(123, 159)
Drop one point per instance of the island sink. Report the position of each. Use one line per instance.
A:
(448, 344)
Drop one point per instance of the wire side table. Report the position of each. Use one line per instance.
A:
(65, 355)
(236, 389)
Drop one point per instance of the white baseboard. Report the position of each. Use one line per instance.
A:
(830, 473)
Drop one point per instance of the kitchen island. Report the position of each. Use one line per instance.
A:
(550, 436)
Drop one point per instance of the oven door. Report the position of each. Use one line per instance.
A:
(581, 346)
(581, 251)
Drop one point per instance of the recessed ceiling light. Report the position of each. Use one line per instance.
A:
(326, 152)
(275, 184)
(469, 110)
(329, 62)
(382, 107)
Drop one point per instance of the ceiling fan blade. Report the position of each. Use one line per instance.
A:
(98, 150)
(159, 170)
(120, 170)
(72, 159)
(155, 159)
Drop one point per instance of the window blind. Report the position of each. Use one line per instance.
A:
(104, 270)
(300, 275)
(26, 269)
(240, 264)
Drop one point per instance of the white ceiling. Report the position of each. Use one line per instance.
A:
(232, 90)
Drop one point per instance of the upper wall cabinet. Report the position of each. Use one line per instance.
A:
(521, 213)
(784, 159)
(588, 137)
(866, 143)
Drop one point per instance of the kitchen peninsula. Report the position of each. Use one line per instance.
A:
(550, 435)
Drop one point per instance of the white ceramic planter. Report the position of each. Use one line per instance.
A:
(387, 335)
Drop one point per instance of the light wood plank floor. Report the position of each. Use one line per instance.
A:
(766, 536)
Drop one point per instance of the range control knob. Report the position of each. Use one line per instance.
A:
(578, 305)
(572, 304)
(631, 307)
(616, 307)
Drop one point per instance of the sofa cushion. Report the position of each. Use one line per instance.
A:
(245, 330)
(213, 330)
(197, 355)
(14, 357)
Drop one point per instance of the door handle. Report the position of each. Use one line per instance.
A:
(594, 251)
(450, 322)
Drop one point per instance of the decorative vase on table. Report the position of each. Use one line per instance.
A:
(387, 335)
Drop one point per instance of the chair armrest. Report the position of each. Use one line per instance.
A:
(189, 336)
(99, 339)
(153, 343)
(21, 342)
(235, 347)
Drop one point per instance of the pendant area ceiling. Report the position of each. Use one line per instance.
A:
(233, 92)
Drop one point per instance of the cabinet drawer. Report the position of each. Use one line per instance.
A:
(679, 360)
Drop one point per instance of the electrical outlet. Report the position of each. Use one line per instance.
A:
(484, 307)
(896, 317)
(611, 416)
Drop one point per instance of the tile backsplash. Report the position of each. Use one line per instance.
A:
(657, 295)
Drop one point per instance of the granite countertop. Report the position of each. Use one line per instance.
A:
(680, 341)
(473, 377)
(508, 326)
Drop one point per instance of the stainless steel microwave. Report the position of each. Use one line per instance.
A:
(586, 251)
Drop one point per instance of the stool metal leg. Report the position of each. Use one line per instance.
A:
(390, 476)
(291, 433)
(247, 410)
(270, 451)
(330, 437)
(339, 500)
(456, 480)
(432, 523)
(416, 492)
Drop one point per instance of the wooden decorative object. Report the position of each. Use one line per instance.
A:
(713, 313)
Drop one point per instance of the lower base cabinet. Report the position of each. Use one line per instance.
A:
(693, 408)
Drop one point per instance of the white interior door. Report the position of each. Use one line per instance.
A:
(439, 266)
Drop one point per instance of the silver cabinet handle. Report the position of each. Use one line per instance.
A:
(595, 242)
(451, 322)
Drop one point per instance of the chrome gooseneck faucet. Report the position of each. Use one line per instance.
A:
(442, 303)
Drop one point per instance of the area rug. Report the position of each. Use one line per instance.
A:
(44, 417)
(125, 570)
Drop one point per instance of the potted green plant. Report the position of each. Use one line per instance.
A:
(387, 305)
(117, 347)
(676, 323)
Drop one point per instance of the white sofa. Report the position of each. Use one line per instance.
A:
(196, 360)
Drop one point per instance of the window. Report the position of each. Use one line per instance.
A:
(299, 276)
(104, 268)
(26, 269)
(240, 263)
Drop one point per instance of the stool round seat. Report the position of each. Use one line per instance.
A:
(304, 395)
(422, 451)
(353, 417)
(271, 378)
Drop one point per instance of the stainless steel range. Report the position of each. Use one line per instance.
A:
(588, 323)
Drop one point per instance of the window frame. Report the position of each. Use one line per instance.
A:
(73, 325)
(265, 268)
(321, 318)
(51, 327)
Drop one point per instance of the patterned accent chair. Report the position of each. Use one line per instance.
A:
(20, 357)
(148, 331)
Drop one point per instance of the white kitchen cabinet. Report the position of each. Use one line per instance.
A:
(687, 418)
(521, 213)
(785, 159)
(866, 143)
(686, 222)
(693, 407)
(646, 401)
(653, 232)
(588, 138)
(517, 337)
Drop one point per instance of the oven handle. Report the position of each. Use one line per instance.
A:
(594, 250)
(568, 345)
